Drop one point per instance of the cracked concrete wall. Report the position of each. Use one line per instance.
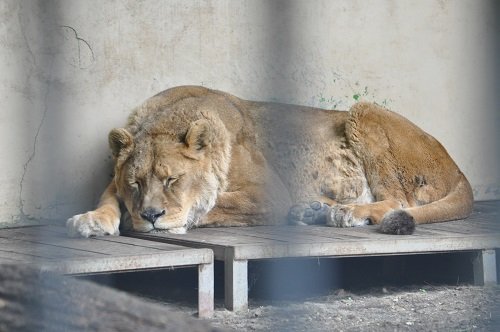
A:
(71, 70)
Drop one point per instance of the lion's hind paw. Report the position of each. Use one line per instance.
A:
(314, 212)
(342, 216)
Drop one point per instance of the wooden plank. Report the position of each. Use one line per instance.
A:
(437, 230)
(8, 256)
(38, 228)
(61, 230)
(5, 241)
(208, 236)
(266, 235)
(326, 232)
(230, 239)
(60, 233)
(187, 257)
(464, 229)
(279, 234)
(26, 241)
(219, 237)
(9, 232)
(129, 241)
(91, 246)
(218, 250)
(484, 220)
(46, 251)
(14, 234)
(489, 207)
(321, 231)
(429, 233)
(396, 245)
(488, 220)
(363, 233)
(104, 245)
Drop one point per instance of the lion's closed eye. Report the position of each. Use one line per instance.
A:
(169, 181)
(135, 185)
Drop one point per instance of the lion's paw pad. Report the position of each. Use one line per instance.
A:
(308, 213)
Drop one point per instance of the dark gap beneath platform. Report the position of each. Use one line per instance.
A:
(301, 278)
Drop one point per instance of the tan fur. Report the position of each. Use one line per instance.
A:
(191, 156)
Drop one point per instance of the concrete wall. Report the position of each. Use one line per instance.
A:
(71, 70)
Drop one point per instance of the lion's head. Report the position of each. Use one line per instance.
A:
(168, 182)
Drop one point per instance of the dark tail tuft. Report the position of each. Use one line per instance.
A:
(397, 222)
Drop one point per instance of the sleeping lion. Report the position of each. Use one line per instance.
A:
(193, 157)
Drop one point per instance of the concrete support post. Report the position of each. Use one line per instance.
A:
(205, 290)
(235, 283)
(485, 268)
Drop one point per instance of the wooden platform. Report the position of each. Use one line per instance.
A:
(235, 246)
(49, 248)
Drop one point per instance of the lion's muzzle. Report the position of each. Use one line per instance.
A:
(152, 214)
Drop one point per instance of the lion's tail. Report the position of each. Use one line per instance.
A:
(456, 205)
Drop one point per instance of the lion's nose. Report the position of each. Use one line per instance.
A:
(152, 214)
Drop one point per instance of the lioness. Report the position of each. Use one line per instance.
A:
(191, 157)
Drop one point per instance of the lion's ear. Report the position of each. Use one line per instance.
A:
(121, 142)
(199, 137)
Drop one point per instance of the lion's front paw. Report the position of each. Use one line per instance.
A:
(177, 230)
(92, 223)
(342, 216)
(308, 213)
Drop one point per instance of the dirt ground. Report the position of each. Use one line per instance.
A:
(414, 293)
(429, 308)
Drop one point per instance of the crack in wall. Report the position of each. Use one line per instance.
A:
(23, 25)
(25, 37)
(79, 41)
(26, 165)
